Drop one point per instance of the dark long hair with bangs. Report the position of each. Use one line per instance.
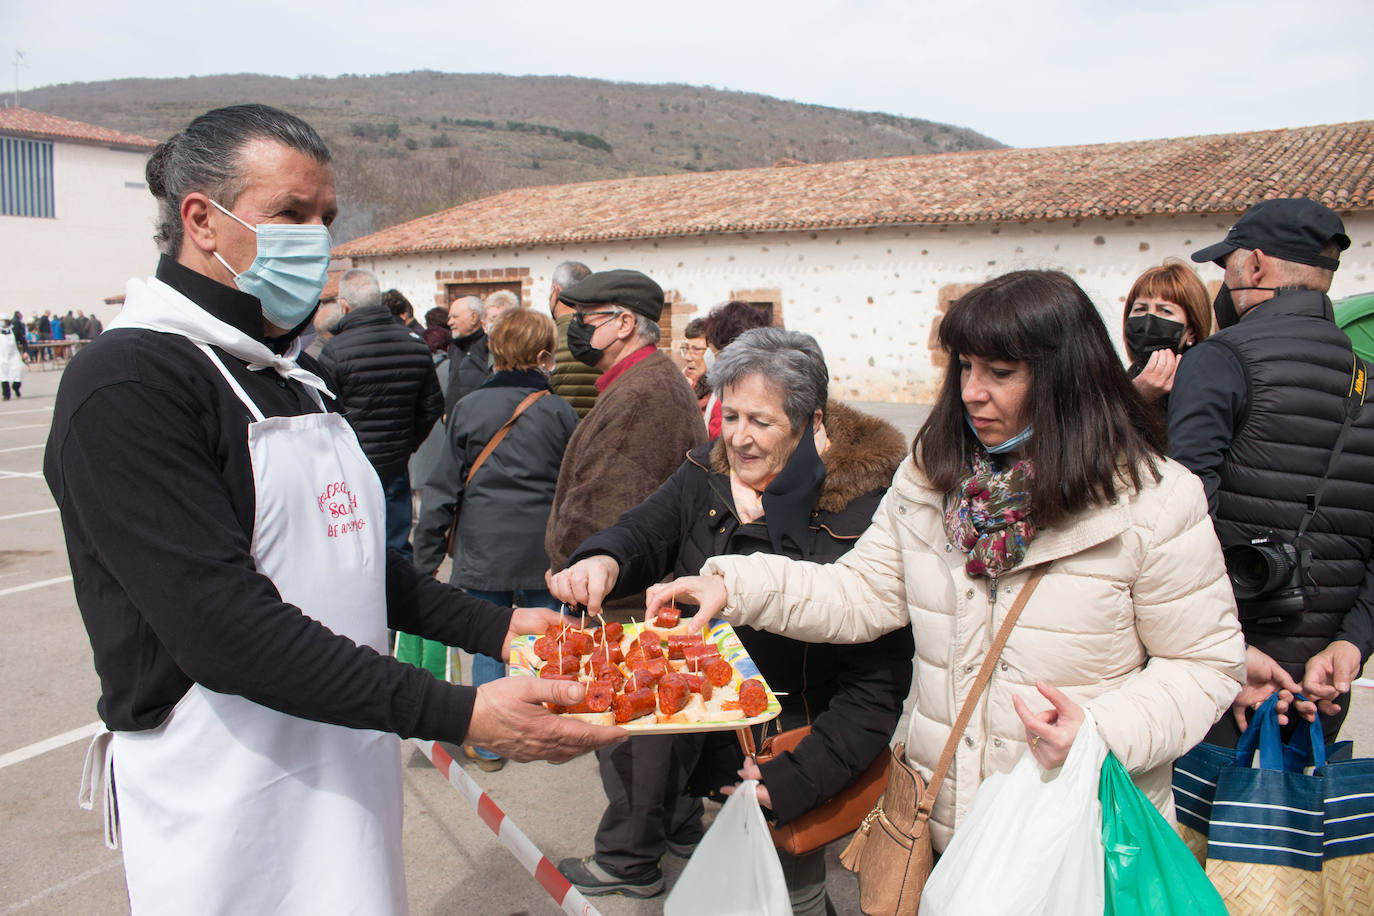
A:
(1092, 430)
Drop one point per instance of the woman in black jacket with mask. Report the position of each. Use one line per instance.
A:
(791, 473)
(1167, 312)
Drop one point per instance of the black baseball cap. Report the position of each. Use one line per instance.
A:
(1289, 228)
(626, 288)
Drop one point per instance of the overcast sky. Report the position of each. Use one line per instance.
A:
(1026, 72)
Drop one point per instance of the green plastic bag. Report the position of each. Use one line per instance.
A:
(423, 653)
(1150, 870)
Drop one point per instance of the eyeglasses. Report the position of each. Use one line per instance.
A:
(583, 316)
(687, 350)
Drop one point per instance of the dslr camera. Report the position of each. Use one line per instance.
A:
(1269, 576)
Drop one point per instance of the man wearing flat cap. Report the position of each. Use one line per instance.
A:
(1258, 410)
(645, 420)
(639, 431)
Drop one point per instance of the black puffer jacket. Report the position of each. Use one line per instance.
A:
(384, 379)
(1297, 367)
(852, 695)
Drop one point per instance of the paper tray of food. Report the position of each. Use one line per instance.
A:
(652, 678)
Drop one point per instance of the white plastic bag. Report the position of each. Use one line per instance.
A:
(735, 870)
(1031, 844)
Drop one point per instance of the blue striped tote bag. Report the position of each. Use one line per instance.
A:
(1294, 834)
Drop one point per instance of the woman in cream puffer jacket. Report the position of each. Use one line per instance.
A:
(1134, 620)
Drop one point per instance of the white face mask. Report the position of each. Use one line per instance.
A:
(289, 272)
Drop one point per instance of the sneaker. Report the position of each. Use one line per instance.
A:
(594, 881)
(682, 850)
(489, 764)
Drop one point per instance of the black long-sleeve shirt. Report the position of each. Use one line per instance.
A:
(148, 461)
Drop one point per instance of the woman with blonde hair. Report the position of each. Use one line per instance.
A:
(498, 513)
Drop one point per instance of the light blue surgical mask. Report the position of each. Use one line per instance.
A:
(289, 272)
(1001, 448)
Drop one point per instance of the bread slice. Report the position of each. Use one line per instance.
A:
(593, 718)
(694, 711)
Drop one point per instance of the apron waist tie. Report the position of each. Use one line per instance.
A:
(97, 774)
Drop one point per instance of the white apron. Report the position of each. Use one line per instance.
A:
(231, 807)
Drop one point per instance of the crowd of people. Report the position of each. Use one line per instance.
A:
(279, 607)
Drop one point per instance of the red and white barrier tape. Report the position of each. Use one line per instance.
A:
(569, 898)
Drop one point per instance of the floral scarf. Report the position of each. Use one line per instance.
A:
(990, 518)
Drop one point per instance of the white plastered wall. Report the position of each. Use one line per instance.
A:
(870, 295)
(100, 236)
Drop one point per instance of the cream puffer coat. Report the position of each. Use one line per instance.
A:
(1134, 620)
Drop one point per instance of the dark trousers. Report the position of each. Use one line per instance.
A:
(398, 513)
(644, 779)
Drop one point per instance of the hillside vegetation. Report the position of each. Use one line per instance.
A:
(413, 143)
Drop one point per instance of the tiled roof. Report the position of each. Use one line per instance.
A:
(1221, 173)
(22, 122)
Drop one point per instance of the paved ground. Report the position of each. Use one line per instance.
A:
(52, 859)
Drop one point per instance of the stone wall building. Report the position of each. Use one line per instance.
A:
(867, 254)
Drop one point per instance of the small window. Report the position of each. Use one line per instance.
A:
(481, 290)
(26, 178)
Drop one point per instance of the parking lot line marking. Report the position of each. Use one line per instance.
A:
(48, 744)
(20, 475)
(5, 518)
(32, 585)
(63, 885)
(23, 448)
(26, 426)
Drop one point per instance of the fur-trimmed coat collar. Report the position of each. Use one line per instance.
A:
(863, 455)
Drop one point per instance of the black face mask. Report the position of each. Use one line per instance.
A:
(1224, 307)
(580, 343)
(1147, 333)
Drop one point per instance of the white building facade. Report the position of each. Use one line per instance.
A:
(76, 217)
(871, 296)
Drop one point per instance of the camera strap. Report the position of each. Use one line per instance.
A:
(1354, 404)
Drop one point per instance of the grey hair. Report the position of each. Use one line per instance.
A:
(647, 329)
(360, 289)
(789, 360)
(474, 304)
(207, 157)
(570, 272)
(501, 299)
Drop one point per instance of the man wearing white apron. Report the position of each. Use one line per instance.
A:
(225, 533)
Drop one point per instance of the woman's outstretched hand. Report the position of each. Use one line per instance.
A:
(706, 592)
(1050, 733)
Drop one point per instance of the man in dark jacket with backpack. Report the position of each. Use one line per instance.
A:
(384, 379)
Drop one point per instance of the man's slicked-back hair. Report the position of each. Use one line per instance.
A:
(206, 157)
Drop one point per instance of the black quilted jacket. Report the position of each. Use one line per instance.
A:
(384, 379)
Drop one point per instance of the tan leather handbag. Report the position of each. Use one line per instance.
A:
(891, 850)
(841, 815)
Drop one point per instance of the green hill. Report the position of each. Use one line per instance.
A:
(412, 143)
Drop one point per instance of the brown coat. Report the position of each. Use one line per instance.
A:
(642, 426)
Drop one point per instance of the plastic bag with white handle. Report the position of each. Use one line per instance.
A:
(1031, 844)
(735, 870)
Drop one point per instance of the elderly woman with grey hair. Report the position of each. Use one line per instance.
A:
(791, 473)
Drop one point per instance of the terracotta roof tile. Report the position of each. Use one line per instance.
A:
(23, 122)
(1220, 173)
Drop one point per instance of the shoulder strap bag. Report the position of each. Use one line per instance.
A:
(486, 453)
(891, 851)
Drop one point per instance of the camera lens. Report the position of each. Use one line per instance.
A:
(1257, 568)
